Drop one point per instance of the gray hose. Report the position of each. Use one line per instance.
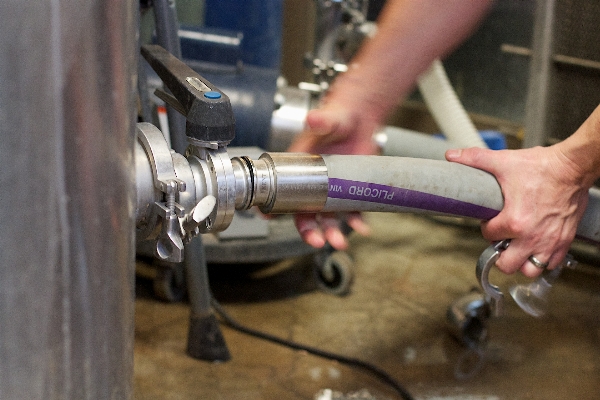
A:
(400, 142)
(400, 184)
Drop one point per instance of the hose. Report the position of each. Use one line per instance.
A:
(400, 142)
(401, 184)
(446, 108)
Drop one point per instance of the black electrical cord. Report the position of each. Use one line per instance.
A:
(381, 374)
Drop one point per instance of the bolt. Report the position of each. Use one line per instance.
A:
(171, 191)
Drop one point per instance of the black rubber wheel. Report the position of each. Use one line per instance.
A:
(335, 273)
(169, 284)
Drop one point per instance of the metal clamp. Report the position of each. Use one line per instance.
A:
(169, 245)
(485, 263)
(531, 297)
(159, 155)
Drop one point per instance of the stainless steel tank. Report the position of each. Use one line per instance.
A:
(67, 193)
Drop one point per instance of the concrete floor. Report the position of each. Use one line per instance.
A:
(407, 273)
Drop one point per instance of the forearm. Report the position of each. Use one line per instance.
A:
(581, 151)
(411, 34)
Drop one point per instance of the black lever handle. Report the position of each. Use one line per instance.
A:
(208, 112)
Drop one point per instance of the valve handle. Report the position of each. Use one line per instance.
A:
(207, 110)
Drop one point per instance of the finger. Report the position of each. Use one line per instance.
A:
(530, 270)
(305, 142)
(358, 224)
(323, 122)
(475, 157)
(553, 261)
(318, 128)
(517, 257)
(513, 258)
(323, 128)
(309, 230)
(331, 227)
(495, 230)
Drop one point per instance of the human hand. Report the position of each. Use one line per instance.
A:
(336, 130)
(318, 229)
(545, 195)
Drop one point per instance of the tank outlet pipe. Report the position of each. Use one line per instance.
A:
(294, 182)
(446, 108)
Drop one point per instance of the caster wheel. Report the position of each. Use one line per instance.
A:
(335, 273)
(169, 284)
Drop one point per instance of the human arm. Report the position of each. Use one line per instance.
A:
(410, 35)
(545, 194)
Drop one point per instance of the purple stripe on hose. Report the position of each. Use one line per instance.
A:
(383, 194)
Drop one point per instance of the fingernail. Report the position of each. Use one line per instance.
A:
(338, 240)
(453, 153)
(315, 239)
(321, 132)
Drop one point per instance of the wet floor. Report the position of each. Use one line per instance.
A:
(407, 274)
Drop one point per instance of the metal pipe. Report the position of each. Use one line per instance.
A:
(67, 109)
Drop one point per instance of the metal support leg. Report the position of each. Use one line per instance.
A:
(205, 340)
(539, 76)
(167, 27)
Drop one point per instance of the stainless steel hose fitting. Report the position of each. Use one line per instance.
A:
(281, 182)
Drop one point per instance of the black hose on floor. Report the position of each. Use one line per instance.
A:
(378, 372)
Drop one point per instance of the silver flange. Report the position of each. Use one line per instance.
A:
(214, 175)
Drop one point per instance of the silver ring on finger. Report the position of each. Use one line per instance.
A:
(537, 263)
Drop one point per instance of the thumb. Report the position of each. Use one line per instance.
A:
(324, 127)
(305, 142)
(322, 122)
(316, 128)
(475, 157)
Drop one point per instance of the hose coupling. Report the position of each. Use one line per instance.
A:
(281, 182)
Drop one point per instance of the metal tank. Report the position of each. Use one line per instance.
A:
(67, 189)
